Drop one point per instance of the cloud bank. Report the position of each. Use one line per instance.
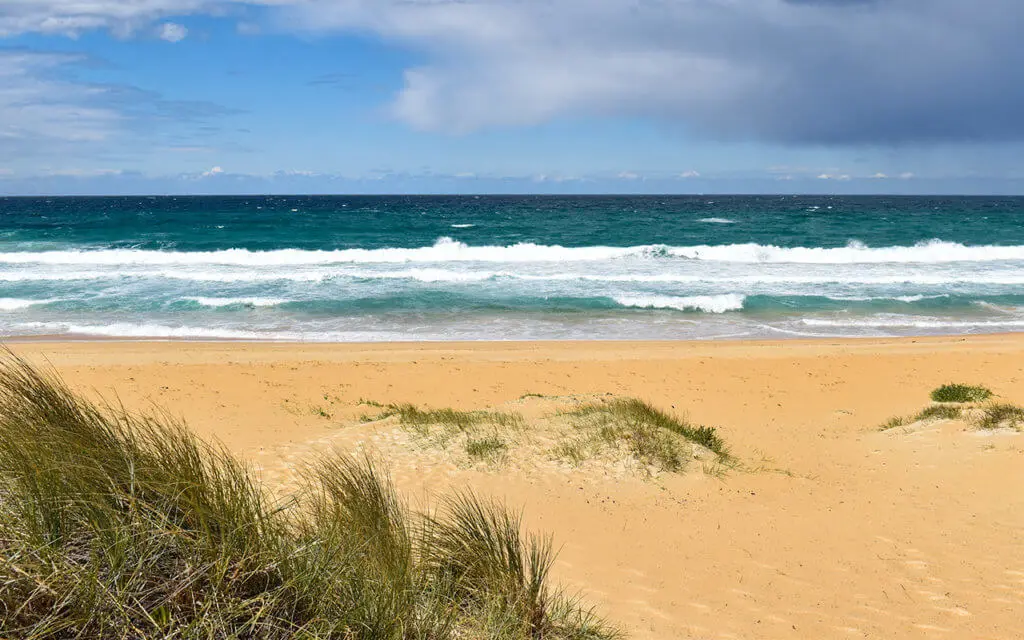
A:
(803, 72)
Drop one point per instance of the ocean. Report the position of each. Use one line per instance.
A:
(339, 268)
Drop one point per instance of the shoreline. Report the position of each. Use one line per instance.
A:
(56, 339)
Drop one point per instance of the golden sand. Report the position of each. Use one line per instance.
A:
(828, 529)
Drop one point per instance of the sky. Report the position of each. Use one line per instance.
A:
(511, 96)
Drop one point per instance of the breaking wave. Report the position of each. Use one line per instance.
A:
(449, 250)
(708, 304)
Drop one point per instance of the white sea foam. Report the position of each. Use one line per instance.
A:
(931, 252)
(717, 221)
(463, 226)
(997, 307)
(227, 302)
(910, 322)
(161, 331)
(426, 275)
(444, 250)
(226, 274)
(15, 304)
(907, 299)
(448, 250)
(910, 299)
(207, 275)
(709, 304)
(147, 330)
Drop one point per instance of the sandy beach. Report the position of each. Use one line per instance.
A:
(827, 527)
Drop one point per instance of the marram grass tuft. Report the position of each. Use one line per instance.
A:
(115, 525)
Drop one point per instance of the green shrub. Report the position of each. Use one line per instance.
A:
(960, 393)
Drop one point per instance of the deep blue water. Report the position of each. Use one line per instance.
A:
(380, 268)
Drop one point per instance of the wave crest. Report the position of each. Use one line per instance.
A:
(708, 304)
(15, 304)
(228, 302)
(449, 250)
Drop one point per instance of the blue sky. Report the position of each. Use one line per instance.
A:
(608, 96)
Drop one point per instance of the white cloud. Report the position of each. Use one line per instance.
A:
(557, 179)
(172, 32)
(212, 172)
(36, 105)
(73, 17)
(879, 176)
(83, 173)
(628, 175)
(825, 176)
(690, 174)
(907, 175)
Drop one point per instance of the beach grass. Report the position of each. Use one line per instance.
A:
(1001, 415)
(961, 393)
(118, 525)
(894, 422)
(441, 426)
(930, 413)
(487, 448)
(652, 436)
(940, 412)
(997, 415)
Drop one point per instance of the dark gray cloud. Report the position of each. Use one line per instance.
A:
(790, 71)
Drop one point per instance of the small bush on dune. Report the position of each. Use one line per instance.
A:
(652, 436)
(960, 393)
(998, 416)
(116, 525)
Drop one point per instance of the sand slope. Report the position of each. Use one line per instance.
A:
(833, 530)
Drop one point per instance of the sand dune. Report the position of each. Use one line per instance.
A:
(827, 528)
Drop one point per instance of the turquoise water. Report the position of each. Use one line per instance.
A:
(448, 268)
